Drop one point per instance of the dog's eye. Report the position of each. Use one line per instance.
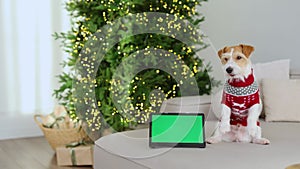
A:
(226, 59)
(239, 57)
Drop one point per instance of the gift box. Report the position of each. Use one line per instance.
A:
(74, 156)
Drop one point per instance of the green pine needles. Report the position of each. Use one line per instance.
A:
(149, 87)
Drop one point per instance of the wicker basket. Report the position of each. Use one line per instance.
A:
(61, 137)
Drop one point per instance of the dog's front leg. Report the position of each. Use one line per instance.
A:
(225, 119)
(253, 116)
(223, 126)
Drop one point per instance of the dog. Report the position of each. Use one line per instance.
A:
(241, 102)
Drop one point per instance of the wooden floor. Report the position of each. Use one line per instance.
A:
(29, 153)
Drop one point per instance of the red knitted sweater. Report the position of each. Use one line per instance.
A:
(239, 96)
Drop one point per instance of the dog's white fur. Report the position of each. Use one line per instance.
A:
(238, 133)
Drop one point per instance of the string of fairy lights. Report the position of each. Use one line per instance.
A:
(86, 81)
(140, 110)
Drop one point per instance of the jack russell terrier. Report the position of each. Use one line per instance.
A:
(241, 103)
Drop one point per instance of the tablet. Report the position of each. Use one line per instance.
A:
(176, 130)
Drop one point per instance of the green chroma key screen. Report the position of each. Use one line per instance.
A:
(177, 130)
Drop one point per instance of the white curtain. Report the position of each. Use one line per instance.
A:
(29, 62)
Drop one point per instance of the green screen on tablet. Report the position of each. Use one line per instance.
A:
(177, 130)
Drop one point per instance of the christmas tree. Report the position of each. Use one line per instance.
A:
(151, 58)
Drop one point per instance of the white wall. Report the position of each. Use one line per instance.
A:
(272, 26)
(28, 66)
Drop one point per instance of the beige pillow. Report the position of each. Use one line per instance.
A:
(281, 99)
(278, 69)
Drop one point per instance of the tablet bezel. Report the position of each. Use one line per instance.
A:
(175, 144)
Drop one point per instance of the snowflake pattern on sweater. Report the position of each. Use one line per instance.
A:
(239, 96)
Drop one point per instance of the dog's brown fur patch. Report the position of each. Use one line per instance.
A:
(240, 55)
(245, 49)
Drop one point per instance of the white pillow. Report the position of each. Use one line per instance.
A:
(278, 69)
(281, 99)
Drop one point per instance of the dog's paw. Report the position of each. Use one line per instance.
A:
(212, 140)
(262, 141)
(224, 128)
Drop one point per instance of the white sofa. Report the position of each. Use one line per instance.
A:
(130, 150)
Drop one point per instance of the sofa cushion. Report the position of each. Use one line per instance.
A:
(216, 103)
(278, 69)
(281, 99)
(189, 104)
(130, 150)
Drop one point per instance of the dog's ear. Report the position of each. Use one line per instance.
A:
(247, 49)
(221, 51)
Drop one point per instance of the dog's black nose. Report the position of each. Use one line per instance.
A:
(229, 70)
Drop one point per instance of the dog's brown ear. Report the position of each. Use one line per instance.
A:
(221, 51)
(247, 49)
